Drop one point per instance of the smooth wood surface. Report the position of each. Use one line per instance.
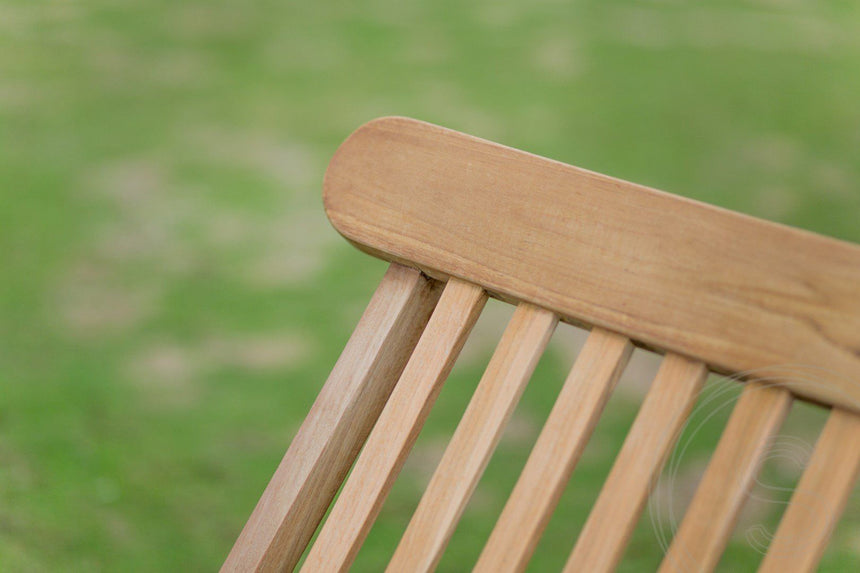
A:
(819, 499)
(556, 452)
(328, 441)
(738, 293)
(397, 428)
(475, 439)
(714, 510)
(657, 427)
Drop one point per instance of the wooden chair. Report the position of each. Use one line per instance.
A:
(460, 219)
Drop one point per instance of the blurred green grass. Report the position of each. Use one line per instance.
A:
(172, 297)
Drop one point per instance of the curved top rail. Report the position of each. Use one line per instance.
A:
(742, 294)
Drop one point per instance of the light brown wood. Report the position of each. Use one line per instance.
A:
(556, 452)
(328, 441)
(773, 305)
(738, 293)
(819, 499)
(715, 507)
(397, 428)
(653, 435)
(474, 440)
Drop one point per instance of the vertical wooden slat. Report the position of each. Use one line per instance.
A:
(652, 437)
(819, 499)
(714, 510)
(328, 441)
(473, 442)
(397, 428)
(556, 452)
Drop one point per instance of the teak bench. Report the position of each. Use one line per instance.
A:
(461, 219)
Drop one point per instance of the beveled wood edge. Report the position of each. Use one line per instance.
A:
(564, 436)
(396, 428)
(474, 440)
(329, 439)
(650, 440)
(819, 499)
(712, 514)
(845, 393)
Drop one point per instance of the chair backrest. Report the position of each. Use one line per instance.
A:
(461, 219)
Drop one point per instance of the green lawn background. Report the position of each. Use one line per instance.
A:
(172, 297)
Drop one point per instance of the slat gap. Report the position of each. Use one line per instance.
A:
(474, 440)
(719, 498)
(651, 438)
(342, 416)
(558, 448)
(397, 428)
(820, 497)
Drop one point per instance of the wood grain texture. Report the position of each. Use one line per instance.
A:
(819, 499)
(561, 442)
(714, 510)
(657, 427)
(328, 441)
(475, 439)
(738, 293)
(397, 428)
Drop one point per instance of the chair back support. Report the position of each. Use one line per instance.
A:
(461, 219)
